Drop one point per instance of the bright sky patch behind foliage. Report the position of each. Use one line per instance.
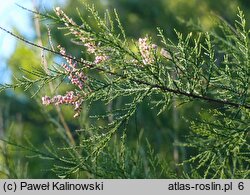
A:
(12, 16)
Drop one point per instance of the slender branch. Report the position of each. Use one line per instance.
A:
(163, 88)
(45, 64)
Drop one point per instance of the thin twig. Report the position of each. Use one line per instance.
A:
(45, 64)
(163, 88)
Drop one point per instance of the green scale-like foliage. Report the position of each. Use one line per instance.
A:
(210, 69)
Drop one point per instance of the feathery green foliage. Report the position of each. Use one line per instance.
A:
(210, 69)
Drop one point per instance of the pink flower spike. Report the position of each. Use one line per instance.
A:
(75, 76)
(46, 100)
(146, 50)
(69, 98)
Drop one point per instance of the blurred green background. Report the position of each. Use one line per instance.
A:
(23, 118)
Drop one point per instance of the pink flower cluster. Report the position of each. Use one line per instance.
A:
(88, 42)
(92, 49)
(76, 76)
(146, 49)
(101, 58)
(68, 98)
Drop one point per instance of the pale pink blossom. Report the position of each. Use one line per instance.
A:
(146, 49)
(46, 100)
(91, 48)
(69, 99)
(99, 59)
(76, 76)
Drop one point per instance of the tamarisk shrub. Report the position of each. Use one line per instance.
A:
(210, 69)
